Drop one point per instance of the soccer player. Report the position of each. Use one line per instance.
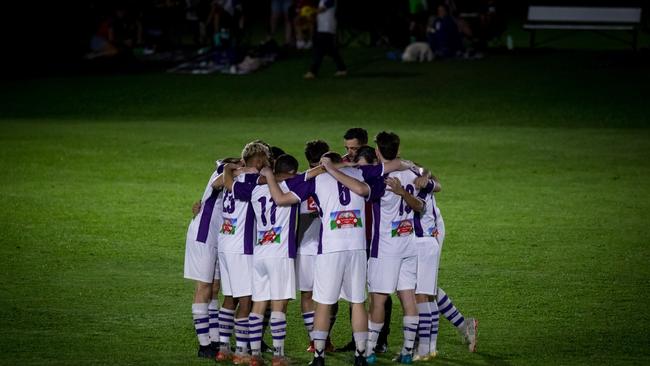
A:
(273, 257)
(309, 237)
(236, 239)
(393, 255)
(341, 251)
(201, 264)
(353, 140)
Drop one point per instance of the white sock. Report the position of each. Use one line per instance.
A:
(410, 324)
(278, 331)
(373, 334)
(201, 323)
(360, 340)
(320, 338)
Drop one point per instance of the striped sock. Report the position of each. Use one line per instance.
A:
(435, 321)
(241, 335)
(213, 312)
(320, 338)
(360, 340)
(226, 325)
(308, 319)
(255, 333)
(424, 328)
(410, 324)
(278, 331)
(373, 334)
(201, 323)
(450, 312)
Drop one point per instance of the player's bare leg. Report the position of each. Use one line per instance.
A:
(200, 314)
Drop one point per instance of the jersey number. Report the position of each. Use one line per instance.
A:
(344, 194)
(228, 202)
(262, 201)
(405, 207)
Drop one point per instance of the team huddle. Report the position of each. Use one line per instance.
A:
(363, 223)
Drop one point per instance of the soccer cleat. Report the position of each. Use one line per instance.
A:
(311, 348)
(241, 359)
(371, 360)
(329, 346)
(224, 354)
(206, 352)
(279, 361)
(381, 347)
(433, 355)
(471, 332)
(317, 361)
(360, 361)
(405, 359)
(256, 360)
(422, 358)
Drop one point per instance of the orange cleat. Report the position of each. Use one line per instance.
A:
(280, 361)
(311, 348)
(242, 359)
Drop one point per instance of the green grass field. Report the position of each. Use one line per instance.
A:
(544, 159)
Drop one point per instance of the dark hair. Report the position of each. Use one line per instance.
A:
(357, 133)
(276, 152)
(286, 164)
(334, 156)
(388, 144)
(315, 149)
(366, 152)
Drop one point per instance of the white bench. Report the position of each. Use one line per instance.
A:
(584, 18)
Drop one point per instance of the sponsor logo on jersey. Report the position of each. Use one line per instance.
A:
(345, 219)
(229, 226)
(270, 236)
(402, 228)
(433, 231)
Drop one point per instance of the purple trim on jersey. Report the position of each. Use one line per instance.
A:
(243, 190)
(206, 215)
(249, 230)
(371, 172)
(377, 189)
(220, 167)
(376, 218)
(293, 228)
(251, 178)
(417, 224)
(301, 187)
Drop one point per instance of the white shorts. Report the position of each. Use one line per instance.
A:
(273, 279)
(340, 275)
(201, 263)
(386, 275)
(428, 262)
(305, 272)
(236, 274)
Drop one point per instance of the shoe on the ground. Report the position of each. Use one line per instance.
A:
(381, 347)
(404, 359)
(433, 355)
(341, 73)
(206, 352)
(309, 75)
(371, 360)
(256, 360)
(267, 348)
(224, 354)
(349, 347)
(329, 346)
(279, 361)
(311, 348)
(471, 332)
(215, 346)
(317, 361)
(241, 359)
(360, 361)
(422, 358)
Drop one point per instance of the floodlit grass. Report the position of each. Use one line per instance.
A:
(543, 158)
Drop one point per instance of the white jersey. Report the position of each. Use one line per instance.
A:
(342, 211)
(308, 227)
(428, 223)
(237, 231)
(204, 227)
(276, 226)
(393, 219)
(326, 20)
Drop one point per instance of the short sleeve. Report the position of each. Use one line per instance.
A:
(377, 190)
(243, 191)
(371, 172)
(300, 187)
(428, 189)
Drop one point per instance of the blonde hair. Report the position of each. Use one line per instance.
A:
(254, 148)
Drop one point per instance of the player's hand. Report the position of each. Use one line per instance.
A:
(421, 182)
(245, 170)
(196, 207)
(266, 171)
(395, 185)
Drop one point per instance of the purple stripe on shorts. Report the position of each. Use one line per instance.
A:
(293, 227)
(206, 215)
(249, 230)
(376, 218)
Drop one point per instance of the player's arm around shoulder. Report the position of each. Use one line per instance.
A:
(396, 187)
(355, 185)
(281, 198)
